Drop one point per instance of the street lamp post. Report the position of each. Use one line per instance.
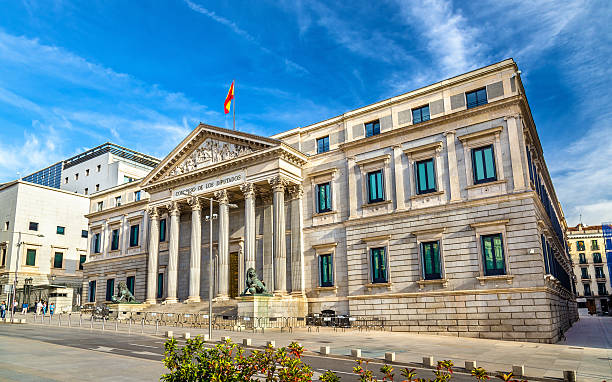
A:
(14, 294)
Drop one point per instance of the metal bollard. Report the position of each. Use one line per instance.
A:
(91, 322)
(428, 361)
(156, 326)
(390, 357)
(325, 350)
(518, 370)
(356, 353)
(129, 326)
(103, 322)
(116, 325)
(80, 320)
(142, 327)
(69, 320)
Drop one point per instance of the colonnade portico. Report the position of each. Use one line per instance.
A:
(248, 190)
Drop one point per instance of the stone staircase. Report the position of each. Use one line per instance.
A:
(220, 308)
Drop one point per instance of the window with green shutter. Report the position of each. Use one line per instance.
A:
(597, 257)
(326, 270)
(92, 291)
(379, 265)
(96, 243)
(134, 235)
(60, 230)
(115, 240)
(110, 287)
(584, 273)
(162, 230)
(160, 285)
(425, 176)
(375, 187)
(430, 253)
(82, 260)
(130, 281)
(58, 260)
(31, 257)
(493, 253)
(323, 198)
(483, 165)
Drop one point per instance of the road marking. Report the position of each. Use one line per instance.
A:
(336, 371)
(104, 349)
(144, 346)
(145, 353)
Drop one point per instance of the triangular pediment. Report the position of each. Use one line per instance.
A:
(204, 147)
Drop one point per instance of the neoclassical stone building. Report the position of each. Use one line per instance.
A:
(433, 209)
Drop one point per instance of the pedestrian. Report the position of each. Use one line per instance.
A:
(3, 310)
(44, 308)
(51, 309)
(39, 306)
(24, 308)
(15, 304)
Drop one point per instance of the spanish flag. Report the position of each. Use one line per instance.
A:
(228, 100)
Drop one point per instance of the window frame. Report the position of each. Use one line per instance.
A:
(324, 141)
(369, 165)
(597, 259)
(137, 196)
(382, 197)
(599, 272)
(599, 288)
(92, 291)
(328, 197)
(115, 244)
(477, 140)
(586, 286)
(478, 102)
(330, 270)
(33, 226)
(100, 206)
(27, 257)
(584, 273)
(82, 260)
(420, 110)
(118, 201)
(54, 262)
(424, 275)
(417, 174)
(486, 179)
(159, 292)
(375, 128)
(492, 228)
(132, 287)
(496, 271)
(109, 293)
(582, 258)
(163, 226)
(60, 230)
(97, 242)
(322, 250)
(134, 237)
(376, 250)
(84, 234)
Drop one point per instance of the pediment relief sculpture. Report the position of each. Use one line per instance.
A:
(211, 151)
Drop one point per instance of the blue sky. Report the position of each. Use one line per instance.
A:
(143, 73)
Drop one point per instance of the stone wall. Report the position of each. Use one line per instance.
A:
(118, 269)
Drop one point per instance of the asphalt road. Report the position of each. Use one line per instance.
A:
(151, 348)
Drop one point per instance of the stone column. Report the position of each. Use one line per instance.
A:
(196, 250)
(223, 245)
(153, 255)
(297, 241)
(105, 245)
(453, 172)
(280, 243)
(352, 187)
(399, 178)
(249, 225)
(173, 252)
(268, 263)
(518, 175)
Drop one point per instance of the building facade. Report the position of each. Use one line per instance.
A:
(588, 250)
(43, 237)
(433, 209)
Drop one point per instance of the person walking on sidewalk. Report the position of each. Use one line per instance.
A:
(3, 309)
(24, 308)
(39, 306)
(51, 309)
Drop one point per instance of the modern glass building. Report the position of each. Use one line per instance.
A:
(50, 176)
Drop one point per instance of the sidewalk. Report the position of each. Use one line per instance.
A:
(587, 350)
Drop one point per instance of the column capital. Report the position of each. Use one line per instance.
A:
(173, 208)
(221, 197)
(153, 212)
(195, 204)
(450, 132)
(296, 191)
(278, 183)
(248, 189)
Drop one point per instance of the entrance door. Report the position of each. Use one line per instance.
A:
(591, 306)
(233, 275)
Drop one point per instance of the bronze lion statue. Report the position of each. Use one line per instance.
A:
(253, 284)
(124, 294)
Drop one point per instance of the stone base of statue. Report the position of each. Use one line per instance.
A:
(259, 306)
(123, 311)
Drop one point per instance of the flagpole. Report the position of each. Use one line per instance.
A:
(234, 113)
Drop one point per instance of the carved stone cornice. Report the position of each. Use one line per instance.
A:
(195, 204)
(222, 197)
(296, 191)
(278, 183)
(153, 212)
(248, 189)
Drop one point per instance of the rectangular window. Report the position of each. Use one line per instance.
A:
(594, 245)
(323, 198)
(493, 254)
(86, 190)
(430, 253)
(96, 243)
(379, 265)
(597, 257)
(476, 98)
(97, 187)
(375, 187)
(160, 285)
(84, 233)
(580, 245)
(584, 273)
(82, 260)
(33, 226)
(100, 206)
(420, 114)
(136, 196)
(66, 180)
(372, 128)
(599, 273)
(323, 145)
(326, 270)
(483, 164)
(110, 287)
(76, 176)
(601, 289)
(60, 230)
(58, 260)
(130, 283)
(117, 201)
(31, 257)
(115, 240)
(162, 230)
(582, 258)
(134, 235)
(3, 257)
(425, 176)
(98, 167)
(6, 226)
(87, 172)
(587, 289)
(92, 291)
